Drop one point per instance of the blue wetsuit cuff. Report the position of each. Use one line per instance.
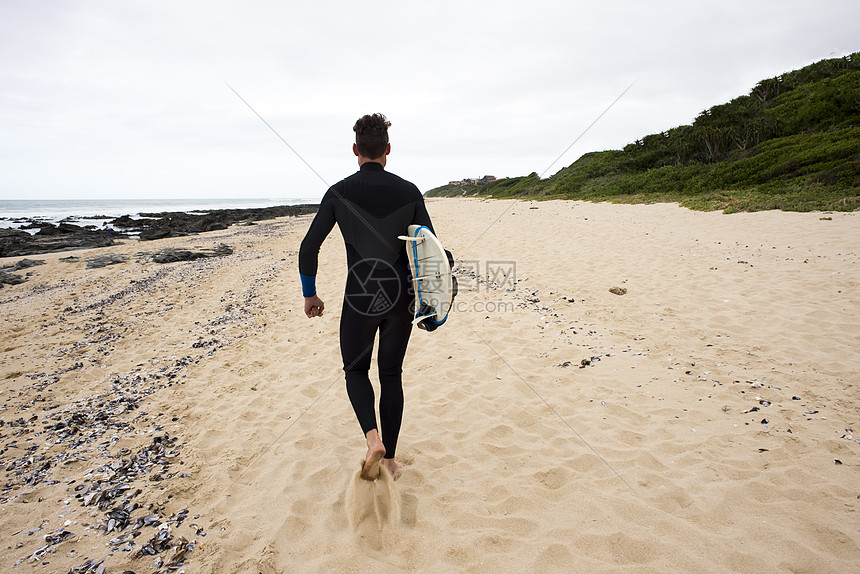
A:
(309, 285)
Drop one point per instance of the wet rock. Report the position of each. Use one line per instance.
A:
(50, 237)
(177, 224)
(11, 240)
(126, 222)
(159, 232)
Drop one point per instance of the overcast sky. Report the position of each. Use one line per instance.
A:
(119, 98)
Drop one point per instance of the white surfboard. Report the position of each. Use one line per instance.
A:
(432, 279)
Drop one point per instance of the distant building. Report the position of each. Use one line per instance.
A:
(469, 181)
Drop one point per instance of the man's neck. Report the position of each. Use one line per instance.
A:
(363, 160)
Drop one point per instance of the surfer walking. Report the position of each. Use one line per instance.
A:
(371, 208)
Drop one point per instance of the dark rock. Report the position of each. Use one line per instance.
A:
(66, 236)
(171, 255)
(32, 224)
(27, 263)
(99, 261)
(11, 239)
(10, 279)
(14, 242)
(126, 222)
(178, 224)
(155, 233)
(51, 229)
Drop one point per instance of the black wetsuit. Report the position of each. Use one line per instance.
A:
(371, 207)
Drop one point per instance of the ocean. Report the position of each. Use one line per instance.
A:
(14, 213)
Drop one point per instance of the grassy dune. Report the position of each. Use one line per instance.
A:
(792, 143)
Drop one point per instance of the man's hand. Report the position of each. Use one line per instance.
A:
(314, 306)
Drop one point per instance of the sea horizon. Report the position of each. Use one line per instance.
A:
(16, 212)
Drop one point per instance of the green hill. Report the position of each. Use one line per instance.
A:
(792, 143)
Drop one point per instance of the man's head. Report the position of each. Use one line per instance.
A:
(371, 136)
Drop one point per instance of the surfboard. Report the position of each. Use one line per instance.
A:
(433, 283)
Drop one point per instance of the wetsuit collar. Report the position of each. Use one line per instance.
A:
(371, 166)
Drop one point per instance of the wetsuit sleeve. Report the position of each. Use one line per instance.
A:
(309, 251)
(421, 216)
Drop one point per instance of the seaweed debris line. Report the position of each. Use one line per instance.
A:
(92, 452)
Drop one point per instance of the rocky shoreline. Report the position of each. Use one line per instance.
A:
(67, 236)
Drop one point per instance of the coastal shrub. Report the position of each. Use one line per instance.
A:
(792, 143)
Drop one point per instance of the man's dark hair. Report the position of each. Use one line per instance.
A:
(371, 135)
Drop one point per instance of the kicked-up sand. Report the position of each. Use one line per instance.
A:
(699, 418)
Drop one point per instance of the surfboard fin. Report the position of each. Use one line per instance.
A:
(425, 317)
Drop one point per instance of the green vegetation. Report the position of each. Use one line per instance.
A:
(793, 144)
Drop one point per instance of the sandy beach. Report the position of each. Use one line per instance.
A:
(703, 416)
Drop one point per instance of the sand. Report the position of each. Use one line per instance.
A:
(703, 421)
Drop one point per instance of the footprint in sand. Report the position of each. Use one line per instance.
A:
(372, 506)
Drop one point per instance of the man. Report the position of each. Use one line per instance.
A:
(371, 207)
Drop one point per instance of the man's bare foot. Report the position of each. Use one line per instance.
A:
(394, 467)
(375, 452)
